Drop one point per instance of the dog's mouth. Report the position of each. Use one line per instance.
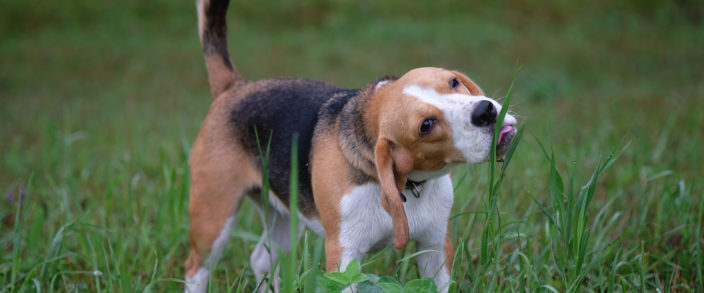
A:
(504, 140)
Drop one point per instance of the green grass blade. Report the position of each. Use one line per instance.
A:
(17, 231)
(290, 273)
(698, 248)
(513, 147)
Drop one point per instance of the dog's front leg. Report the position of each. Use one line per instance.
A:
(363, 222)
(338, 257)
(436, 262)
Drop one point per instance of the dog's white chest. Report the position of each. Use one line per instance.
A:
(365, 223)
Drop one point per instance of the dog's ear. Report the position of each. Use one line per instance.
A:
(469, 84)
(392, 164)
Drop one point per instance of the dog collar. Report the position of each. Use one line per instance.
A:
(413, 187)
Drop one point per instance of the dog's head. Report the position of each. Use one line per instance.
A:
(427, 121)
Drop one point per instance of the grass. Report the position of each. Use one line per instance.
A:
(101, 102)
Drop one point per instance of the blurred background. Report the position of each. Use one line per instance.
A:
(100, 101)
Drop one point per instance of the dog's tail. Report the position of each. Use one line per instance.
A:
(212, 28)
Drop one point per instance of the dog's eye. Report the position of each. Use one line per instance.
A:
(427, 126)
(454, 83)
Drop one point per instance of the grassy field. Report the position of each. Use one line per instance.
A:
(100, 102)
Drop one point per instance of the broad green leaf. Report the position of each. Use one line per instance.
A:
(353, 268)
(367, 287)
(420, 286)
(324, 284)
(390, 287)
(373, 278)
(388, 279)
(359, 278)
(352, 274)
(339, 277)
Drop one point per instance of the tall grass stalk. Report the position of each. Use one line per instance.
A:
(698, 246)
(491, 236)
(568, 220)
(288, 280)
(264, 201)
(17, 231)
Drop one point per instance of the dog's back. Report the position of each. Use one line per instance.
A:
(270, 117)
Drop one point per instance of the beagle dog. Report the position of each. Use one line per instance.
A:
(373, 163)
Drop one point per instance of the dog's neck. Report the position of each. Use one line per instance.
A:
(355, 138)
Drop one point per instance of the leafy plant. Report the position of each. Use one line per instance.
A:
(568, 218)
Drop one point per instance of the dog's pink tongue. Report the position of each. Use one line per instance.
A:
(505, 129)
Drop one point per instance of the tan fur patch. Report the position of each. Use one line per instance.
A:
(449, 251)
(220, 175)
(330, 179)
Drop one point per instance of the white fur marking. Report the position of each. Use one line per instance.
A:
(379, 84)
(431, 264)
(219, 244)
(365, 225)
(198, 283)
(201, 18)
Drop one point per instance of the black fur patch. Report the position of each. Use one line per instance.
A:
(278, 111)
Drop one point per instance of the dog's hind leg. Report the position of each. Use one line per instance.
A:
(276, 239)
(220, 176)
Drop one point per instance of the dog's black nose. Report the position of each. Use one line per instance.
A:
(484, 114)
